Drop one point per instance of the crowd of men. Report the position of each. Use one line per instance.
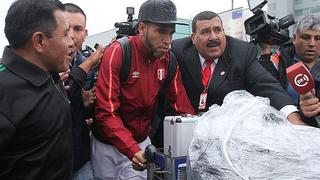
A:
(58, 122)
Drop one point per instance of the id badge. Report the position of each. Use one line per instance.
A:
(203, 101)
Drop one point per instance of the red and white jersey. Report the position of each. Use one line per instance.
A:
(124, 110)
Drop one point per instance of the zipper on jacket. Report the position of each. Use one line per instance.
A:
(60, 91)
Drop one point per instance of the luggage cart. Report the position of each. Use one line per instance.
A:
(171, 164)
(163, 167)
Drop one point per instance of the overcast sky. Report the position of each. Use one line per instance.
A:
(102, 14)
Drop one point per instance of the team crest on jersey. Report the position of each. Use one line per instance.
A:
(135, 74)
(160, 74)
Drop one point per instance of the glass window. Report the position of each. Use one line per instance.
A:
(315, 9)
(304, 1)
(182, 29)
(306, 11)
(298, 12)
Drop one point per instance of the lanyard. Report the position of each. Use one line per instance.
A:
(207, 85)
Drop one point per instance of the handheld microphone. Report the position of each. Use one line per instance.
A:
(300, 78)
(301, 81)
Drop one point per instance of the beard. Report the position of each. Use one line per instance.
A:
(153, 53)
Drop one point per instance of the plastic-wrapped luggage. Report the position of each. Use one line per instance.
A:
(246, 138)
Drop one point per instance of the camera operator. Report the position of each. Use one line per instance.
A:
(305, 48)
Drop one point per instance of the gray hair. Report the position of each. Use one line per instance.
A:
(310, 22)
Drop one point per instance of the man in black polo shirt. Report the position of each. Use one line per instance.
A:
(35, 120)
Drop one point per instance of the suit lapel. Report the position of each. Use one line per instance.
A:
(193, 65)
(219, 75)
(221, 70)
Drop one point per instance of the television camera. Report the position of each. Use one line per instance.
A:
(263, 27)
(128, 28)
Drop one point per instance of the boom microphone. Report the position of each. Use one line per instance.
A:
(302, 82)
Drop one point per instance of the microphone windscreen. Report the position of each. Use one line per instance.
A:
(300, 78)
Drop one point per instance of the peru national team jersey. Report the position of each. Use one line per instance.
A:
(124, 110)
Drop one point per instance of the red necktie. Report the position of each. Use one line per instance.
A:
(206, 73)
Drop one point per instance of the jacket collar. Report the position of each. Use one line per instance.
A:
(227, 55)
(23, 68)
(78, 58)
(288, 48)
(222, 68)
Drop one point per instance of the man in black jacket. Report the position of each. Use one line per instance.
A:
(81, 68)
(35, 119)
(305, 48)
(232, 65)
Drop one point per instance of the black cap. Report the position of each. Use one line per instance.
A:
(159, 11)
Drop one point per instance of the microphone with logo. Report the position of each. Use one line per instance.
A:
(302, 81)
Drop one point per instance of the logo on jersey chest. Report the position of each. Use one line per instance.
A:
(135, 74)
(161, 74)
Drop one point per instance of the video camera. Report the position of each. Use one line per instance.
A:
(266, 28)
(128, 28)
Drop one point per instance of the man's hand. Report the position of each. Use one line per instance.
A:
(64, 76)
(139, 161)
(88, 97)
(296, 119)
(309, 104)
(95, 57)
(89, 121)
(266, 47)
(93, 60)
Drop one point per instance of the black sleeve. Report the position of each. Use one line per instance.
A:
(260, 83)
(77, 78)
(90, 81)
(265, 61)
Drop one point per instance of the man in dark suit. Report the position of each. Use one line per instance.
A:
(232, 65)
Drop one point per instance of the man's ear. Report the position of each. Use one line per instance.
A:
(141, 28)
(39, 41)
(294, 38)
(193, 37)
